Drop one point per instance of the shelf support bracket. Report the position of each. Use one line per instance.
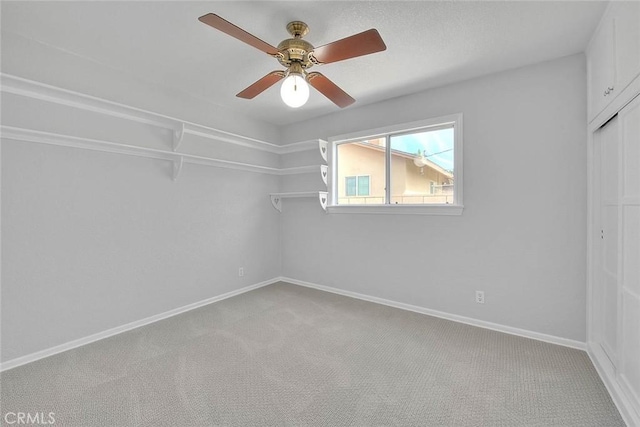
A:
(324, 172)
(322, 196)
(276, 201)
(177, 167)
(178, 135)
(323, 148)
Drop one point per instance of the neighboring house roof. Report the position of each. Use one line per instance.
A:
(403, 154)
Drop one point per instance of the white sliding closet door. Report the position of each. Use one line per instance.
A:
(629, 355)
(615, 288)
(606, 293)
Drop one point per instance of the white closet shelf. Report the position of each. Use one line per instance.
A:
(30, 135)
(276, 198)
(31, 89)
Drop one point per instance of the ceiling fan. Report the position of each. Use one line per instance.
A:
(297, 56)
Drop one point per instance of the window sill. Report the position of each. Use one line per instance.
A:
(397, 209)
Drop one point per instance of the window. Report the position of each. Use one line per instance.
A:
(363, 186)
(410, 168)
(356, 186)
(350, 186)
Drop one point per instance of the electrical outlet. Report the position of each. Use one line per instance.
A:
(241, 272)
(480, 297)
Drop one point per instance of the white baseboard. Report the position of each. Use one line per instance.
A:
(456, 318)
(625, 407)
(129, 326)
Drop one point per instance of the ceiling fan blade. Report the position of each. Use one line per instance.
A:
(227, 27)
(330, 90)
(350, 47)
(261, 85)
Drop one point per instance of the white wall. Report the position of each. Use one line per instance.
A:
(521, 238)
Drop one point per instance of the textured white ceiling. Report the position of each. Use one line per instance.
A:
(428, 43)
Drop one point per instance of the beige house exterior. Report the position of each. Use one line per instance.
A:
(414, 179)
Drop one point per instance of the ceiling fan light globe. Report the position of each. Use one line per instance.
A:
(294, 91)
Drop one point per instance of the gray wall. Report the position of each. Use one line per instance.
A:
(521, 238)
(94, 240)
(33, 60)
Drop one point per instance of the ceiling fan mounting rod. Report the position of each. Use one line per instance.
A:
(297, 29)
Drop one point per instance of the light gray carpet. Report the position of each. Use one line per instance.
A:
(287, 355)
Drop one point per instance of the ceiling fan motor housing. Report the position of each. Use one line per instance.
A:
(296, 49)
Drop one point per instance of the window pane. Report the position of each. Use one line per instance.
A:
(350, 183)
(364, 162)
(363, 186)
(422, 167)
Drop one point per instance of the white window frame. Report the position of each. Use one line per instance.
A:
(454, 208)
